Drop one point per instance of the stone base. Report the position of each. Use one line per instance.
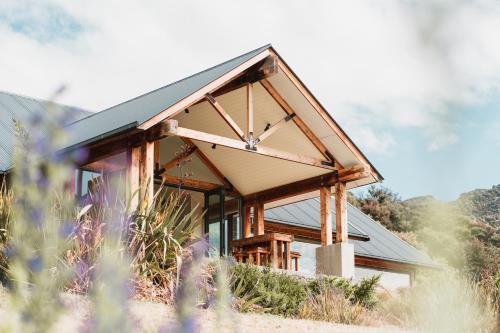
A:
(336, 259)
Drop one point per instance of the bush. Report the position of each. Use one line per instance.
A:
(332, 306)
(277, 293)
(284, 294)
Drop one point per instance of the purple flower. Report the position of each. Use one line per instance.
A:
(35, 264)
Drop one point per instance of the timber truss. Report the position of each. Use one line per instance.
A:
(246, 139)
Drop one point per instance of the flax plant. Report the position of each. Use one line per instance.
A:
(38, 234)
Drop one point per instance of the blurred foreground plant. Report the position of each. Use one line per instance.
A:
(443, 302)
(40, 211)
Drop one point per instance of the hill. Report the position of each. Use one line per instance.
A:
(482, 204)
(464, 233)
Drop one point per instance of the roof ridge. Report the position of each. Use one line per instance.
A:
(172, 83)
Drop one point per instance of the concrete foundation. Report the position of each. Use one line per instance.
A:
(336, 259)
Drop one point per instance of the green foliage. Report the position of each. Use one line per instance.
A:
(284, 294)
(472, 245)
(483, 205)
(278, 293)
(384, 206)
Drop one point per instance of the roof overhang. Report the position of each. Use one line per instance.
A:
(285, 160)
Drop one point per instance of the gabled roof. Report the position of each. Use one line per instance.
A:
(21, 108)
(144, 111)
(138, 110)
(383, 244)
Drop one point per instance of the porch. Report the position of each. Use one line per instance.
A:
(249, 138)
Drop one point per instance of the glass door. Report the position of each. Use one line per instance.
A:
(214, 225)
(222, 221)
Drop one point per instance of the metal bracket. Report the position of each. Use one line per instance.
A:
(251, 143)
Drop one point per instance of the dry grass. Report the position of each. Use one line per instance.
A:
(330, 305)
(445, 303)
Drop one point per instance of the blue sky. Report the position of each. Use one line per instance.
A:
(415, 84)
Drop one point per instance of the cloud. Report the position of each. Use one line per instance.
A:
(376, 66)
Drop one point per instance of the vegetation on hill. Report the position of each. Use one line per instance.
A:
(468, 227)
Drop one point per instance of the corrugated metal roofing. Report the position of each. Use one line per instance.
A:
(383, 244)
(21, 108)
(142, 108)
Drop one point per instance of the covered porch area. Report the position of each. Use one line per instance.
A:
(249, 138)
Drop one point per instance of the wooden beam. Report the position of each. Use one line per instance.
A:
(247, 222)
(258, 218)
(303, 232)
(186, 102)
(385, 264)
(325, 202)
(220, 176)
(227, 118)
(188, 151)
(260, 71)
(341, 212)
(292, 189)
(146, 172)
(173, 129)
(297, 120)
(193, 183)
(326, 116)
(250, 120)
(273, 129)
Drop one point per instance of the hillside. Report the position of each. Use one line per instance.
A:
(482, 204)
(469, 226)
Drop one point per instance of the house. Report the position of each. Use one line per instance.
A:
(255, 137)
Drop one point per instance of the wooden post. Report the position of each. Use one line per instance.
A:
(146, 171)
(258, 218)
(326, 215)
(341, 212)
(247, 222)
(249, 110)
(157, 154)
(133, 157)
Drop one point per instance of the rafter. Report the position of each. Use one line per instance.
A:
(173, 129)
(188, 151)
(227, 118)
(220, 176)
(273, 129)
(300, 124)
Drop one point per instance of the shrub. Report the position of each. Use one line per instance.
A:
(330, 305)
(277, 293)
(284, 294)
(362, 292)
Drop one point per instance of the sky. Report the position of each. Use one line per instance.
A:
(415, 84)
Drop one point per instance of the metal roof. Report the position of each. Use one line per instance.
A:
(136, 111)
(21, 108)
(383, 244)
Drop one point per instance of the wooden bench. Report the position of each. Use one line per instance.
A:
(259, 254)
(240, 256)
(295, 257)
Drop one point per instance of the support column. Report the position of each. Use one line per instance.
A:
(341, 212)
(133, 184)
(325, 198)
(335, 259)
(146, 172)
(247, 222)
(258, 218)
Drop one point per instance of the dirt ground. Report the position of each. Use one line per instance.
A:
(154, 317)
